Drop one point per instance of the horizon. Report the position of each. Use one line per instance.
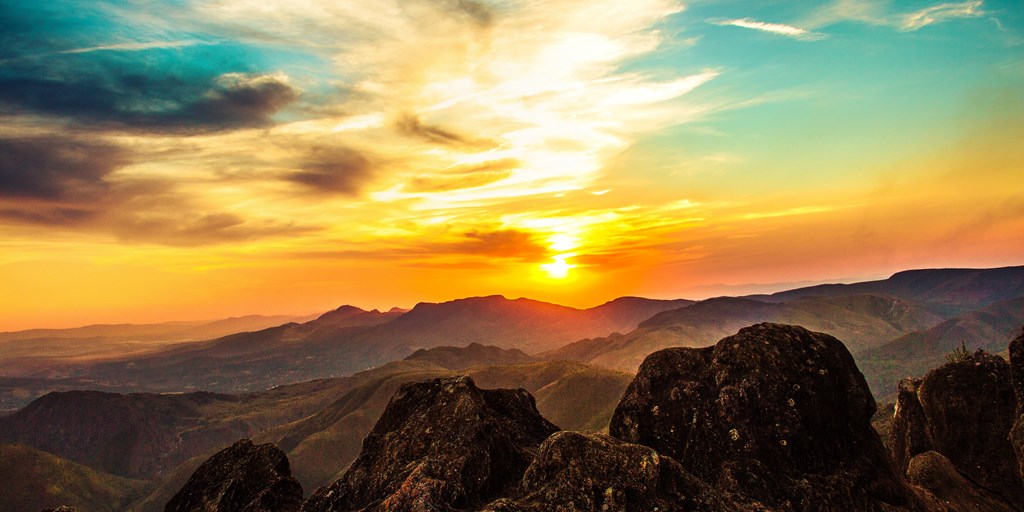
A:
(204, 160)
(747, 290)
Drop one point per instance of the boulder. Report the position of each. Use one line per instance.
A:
(1017, 377)
(577, 471)
(776, 413)
(935, 473)
(909, 435)
(969, 407)
(241, 478)
(440, 445)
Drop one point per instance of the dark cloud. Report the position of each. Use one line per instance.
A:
(335, 170)
(46, 69)
(478, 12)
(505, 243)
(195, 229)
(411, 125)
(53, 167)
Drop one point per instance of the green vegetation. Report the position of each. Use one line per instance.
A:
(959, 354)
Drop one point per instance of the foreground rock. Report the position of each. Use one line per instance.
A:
(244, 478)
(909, 434)
(1017, 376)
(969, 408)
(442, 444)
(934, 472)
(585, 471)
(777, 413)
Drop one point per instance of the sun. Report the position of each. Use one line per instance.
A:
(558, 268)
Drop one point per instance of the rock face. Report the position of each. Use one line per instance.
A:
(969, 407)
(1017, 376)
(934, 472)
(777, 413)
(244, 478)
(442, 444)
(909, 434)
(587, 471)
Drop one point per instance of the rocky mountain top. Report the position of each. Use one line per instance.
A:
(442, 444)
(774, 418)
(241, 478)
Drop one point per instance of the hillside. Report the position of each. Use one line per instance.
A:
(947, 292)
(474, 354)
(34, 480)
(355, 340)
(861, 321)
(914, 354)
(571, 395)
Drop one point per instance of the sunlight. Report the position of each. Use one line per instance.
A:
(558, 268)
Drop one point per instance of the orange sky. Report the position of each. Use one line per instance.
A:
(288, 157)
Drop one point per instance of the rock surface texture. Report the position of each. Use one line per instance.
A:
(1017, 376)
(969, 409)
(934, 472)
(777, 413)
(588, 471)
(442, 444)
(241, 478)
(909, 434)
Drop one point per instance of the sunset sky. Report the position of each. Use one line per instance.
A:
(186, 159)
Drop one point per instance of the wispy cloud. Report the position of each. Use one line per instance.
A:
(874, 12)
(941, 12)
(134, 47)
(773, 28)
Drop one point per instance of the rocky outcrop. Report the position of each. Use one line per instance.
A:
(62, 508)
(241, 478)
(909, 433)
(969, 407)
(442, 444)
(1017, 377)
(588, 471)
(777, 413)
(935, 473)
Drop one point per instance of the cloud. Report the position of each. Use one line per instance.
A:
(506, 243)
(334, 170)
(874, 12)
(411, 125)
(939, 13)
(133, 46)
(773, 28)
(464, 176)
(195, 229)
(53, 167)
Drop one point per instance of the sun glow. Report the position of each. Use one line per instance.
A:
(558, 268)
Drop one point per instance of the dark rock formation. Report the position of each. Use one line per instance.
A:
(936, 473)
(244, 478)
(909, 434)
(970, 407)
(442, 444)
(1017, 376)
(62, 508)
(584, 471)
(777, 413)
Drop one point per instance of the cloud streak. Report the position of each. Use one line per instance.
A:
(940, 13)
(773, 28)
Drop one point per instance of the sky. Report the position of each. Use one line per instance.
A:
(188, 159)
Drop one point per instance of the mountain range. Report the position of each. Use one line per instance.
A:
(133, 427)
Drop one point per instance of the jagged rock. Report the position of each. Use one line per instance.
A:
(440, 445)
(62, 508)
(594, 472)
(935, 473)
(1017, 376)
(244, 478)
(777, 413)
(909, 434)
(969, 407)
